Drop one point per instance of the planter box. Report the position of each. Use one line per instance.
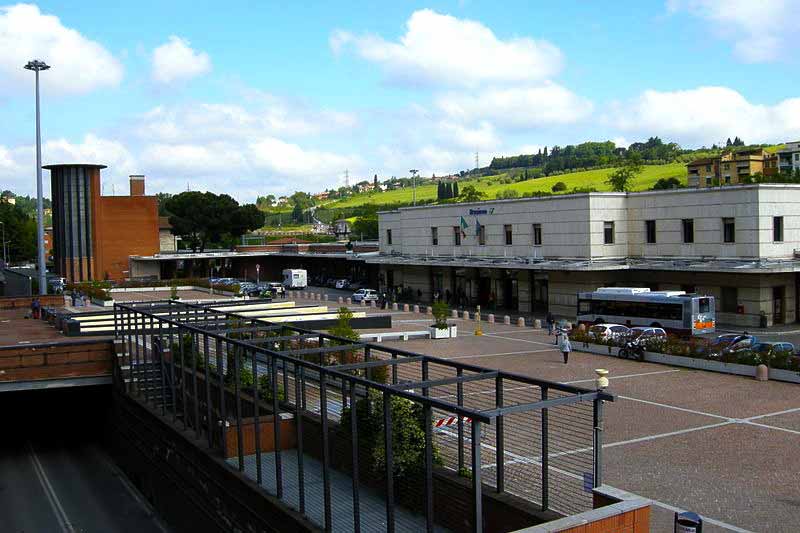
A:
(267, 435)
(103, 303)
(450, 332)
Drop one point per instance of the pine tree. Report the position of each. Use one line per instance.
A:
(545, 152)
(440, 191)
(449, 189)
(375, 181)
(728, 142)
(455, 189)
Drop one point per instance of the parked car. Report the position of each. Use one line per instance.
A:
(342, 284)
(730, 343)
(772, 348)
(276, 287)
(647, 335)
(365, 295)
(604, 332)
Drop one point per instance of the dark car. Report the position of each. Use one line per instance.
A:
(730, 344)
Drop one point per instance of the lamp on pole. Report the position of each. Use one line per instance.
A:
(38, 66)
(414, 173)
(5, 258)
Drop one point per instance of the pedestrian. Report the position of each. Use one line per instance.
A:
(550, 322)
(565, 347)
(73, 296)
(35, 306)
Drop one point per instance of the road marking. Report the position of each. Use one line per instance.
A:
(55, 503)
(501, 353)
(624, 376)
(787, 430)
(685, 410)
(496, 336)
(787, 411)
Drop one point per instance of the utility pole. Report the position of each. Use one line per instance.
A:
(347, 178)
(38, 66)
(5, 257)
(414, 173)
(477, 161)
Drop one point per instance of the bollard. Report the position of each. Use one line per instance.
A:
(405, 308)
(507, 320)
(394, 306)
(416, 308)
(490, 319)
(477, 317)
(454, 313)
(762, 373)
(466, 315)
(581, 327)
(349, 301)
(429, 310)
(325, 297)
(341, 300)
(318, 296)
(521, 322)
(372, 304)
(537, 324)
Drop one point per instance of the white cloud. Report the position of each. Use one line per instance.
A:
(289, 159)
(176, 61)
(442, 49)
(518, 107)
(79, 65)
(265, 115)
(706, 115)
(481, 137)
(761, 31)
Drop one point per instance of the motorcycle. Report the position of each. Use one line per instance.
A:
(632, 350)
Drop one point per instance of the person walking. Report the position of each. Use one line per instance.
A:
(565, 347)
(550, 319)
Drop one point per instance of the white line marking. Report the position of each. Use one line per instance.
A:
(685, 410)
(496, 336)
(55, 504)
(787, 411)
(787, 430)
(624, 376)
(497, 354)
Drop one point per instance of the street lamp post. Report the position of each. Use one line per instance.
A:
(38, 66)
(414, 172)
(5, 258)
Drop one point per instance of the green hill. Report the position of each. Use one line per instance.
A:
(493, 184)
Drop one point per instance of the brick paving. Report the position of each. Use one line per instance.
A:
(16, 329)
(687, 439)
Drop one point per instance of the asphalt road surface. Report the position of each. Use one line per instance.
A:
(55, 475)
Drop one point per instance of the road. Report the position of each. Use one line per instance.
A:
(55, 475)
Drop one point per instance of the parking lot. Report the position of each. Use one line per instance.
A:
(720, 445)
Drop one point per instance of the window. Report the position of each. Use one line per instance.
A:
(650, 231)
(435, 236)
(457, 235)
(508, 232)
(726, 166)
(389, 237)
(777, 229)
(537, 234)
(727, 180)
(708, 181)
(730, 299)
(728, 230)
(608, 232)
(708, 168)
(481, 234)
(688, 230)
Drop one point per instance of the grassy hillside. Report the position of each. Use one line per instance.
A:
(493, 184)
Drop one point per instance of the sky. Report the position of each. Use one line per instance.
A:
(256, 98)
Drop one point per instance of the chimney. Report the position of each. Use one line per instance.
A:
(137, 185)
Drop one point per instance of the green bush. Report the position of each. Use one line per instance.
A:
(265, 389)
(189, 355)
(440, 312)
(408, 436)
(558, 187)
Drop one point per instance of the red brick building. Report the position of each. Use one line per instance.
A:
(94, 235)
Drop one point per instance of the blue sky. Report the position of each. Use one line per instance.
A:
(262, 97)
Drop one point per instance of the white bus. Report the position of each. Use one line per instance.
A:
(675, 311)
(295, 278)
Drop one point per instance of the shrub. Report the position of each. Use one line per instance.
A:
(440, 312)
(265, 389)
(559, 187)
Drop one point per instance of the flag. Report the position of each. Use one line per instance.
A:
(477, 227)
(464, 224)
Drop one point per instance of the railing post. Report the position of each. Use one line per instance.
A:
(354, 449)
(223, 414)
(500, 437)
(276, 420)
(428, 468)
(477, 494)
(460, 423)
(238, 396)
(298, 420)
(545, 455)
(598, 443)
(326, 460)
(257, 418)
(209, 418)
(389, 455)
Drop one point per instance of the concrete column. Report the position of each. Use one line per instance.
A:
(490, 319)
(507, 320)
(521, 322)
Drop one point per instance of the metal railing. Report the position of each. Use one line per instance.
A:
(361, 436)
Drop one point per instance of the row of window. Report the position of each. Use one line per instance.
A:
(687, 227)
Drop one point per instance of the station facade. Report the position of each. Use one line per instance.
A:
(533, 255)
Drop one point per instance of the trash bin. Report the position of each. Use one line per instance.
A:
(688, 522)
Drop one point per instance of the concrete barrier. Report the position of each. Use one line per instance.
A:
(490, 319)
(454, 313)
(416, 308)
(507, 320)
(466, 315)
(405, 308)
(537, 324)
(521, 322)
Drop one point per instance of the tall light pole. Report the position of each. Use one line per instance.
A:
(38, 66)
(414, 173)
(5, 259)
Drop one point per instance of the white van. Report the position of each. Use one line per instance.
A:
(295, 278)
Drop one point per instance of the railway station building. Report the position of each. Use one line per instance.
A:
(739, 243)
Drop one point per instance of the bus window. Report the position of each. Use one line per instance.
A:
(703, 305)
